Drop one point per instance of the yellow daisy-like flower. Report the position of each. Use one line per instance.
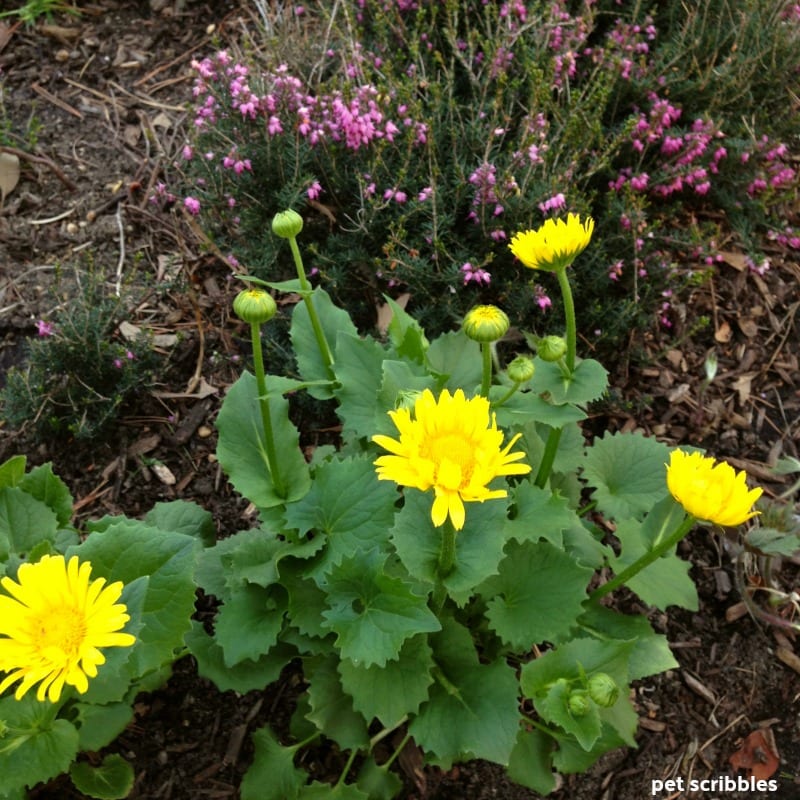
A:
(451, 445)
(53, 623)
(553, 246)
(710, 491)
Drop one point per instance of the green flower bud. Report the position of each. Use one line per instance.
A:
(486, 324)
(254, 305)
(521, 369)
(287, 224)
(578, 704)
(603, 690)
(551, 348)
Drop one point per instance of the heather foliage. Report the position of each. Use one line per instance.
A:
(415, 135)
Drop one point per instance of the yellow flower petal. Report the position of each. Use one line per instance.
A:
(554, 245)
(709, 490)
(452, 445)
(52, 623)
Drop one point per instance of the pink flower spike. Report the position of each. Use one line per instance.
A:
(44, 328)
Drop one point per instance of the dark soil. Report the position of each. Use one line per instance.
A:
(105, 95)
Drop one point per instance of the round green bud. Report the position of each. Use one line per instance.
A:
(521, 369)
(578, 704)
(287, 224)
(603, 690)
(551, 348)
(486, 324)
(254, 306)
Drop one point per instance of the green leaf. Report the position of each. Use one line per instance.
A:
(571, 758)
(525, 407)
(479, 545)
(248, 624)
(588, 382)
(393, 690)
(12, 471)
(398, 380)
(373, 613)
(349, 505)
(34, 745)
(408, 338)
(539, 514)
(24, 522)
(570, 662)
(773, 542)
(553, 705)
(666, 581)
(628, 472)
(378, 782)
(181, 516)
(49, 489)
(272, 775)
(112, 780)
(359, 368)
(241, 448)
(331, 708)
(457, 360)
(242, 677)
(164, 562)
(472, 711)
(334, 320)
(537, 595)
(101, 724)
(530, 762)
(650, 654)
(324, 791)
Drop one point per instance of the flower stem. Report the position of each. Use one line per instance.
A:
(486, 381)
(569, 316)
(645, 560)
(447, 560)
(305, 291)
(507, 396)
(263, 402)
(551, 448)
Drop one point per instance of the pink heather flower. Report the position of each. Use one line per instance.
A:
(44, 328)
(615, 271)
(232, 260)
(554, 203)
(498, 235)
(118, 363)
(542, 300)
(425, 194)
(639, 182)
(187, 152)
(192, 205)
(130, 355)
(274, 126)
(314, 191)
(476, 274)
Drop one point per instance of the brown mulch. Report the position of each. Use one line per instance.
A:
(107, 93)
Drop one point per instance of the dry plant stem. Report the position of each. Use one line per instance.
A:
(305, 287)
(263, 402)
(645, 560)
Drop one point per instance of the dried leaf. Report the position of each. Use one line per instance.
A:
(736, 260)
(757, 755)
(748, 327)
(9, 174)
(723, 333)
(162, 120)
(385, 312)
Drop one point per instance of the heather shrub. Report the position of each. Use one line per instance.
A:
(414, 136)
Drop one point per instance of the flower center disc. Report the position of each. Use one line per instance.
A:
(455, 450)
(61, 629)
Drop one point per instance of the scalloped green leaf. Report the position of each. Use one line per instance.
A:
(472, 711)
(539, 514)
(628, 473)
(331, 708)
(666, 581)
(359, 368)
(333, 320)
(112, 779)
(43, 484)
(373, 613)
(588, 381)
(393, 690)
(479, 545)
(456, 359)
(241, 447)
(24, 522)
(182, 516)
(537, 595)
(272, 775)
(12, 471)
(34, 745)
(531, 761)
(408, 338)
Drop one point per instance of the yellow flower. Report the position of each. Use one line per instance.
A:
(553, 246)
(53, 624)
(715, 493)
(451, 446)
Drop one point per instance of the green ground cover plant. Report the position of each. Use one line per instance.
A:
(414, 137)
